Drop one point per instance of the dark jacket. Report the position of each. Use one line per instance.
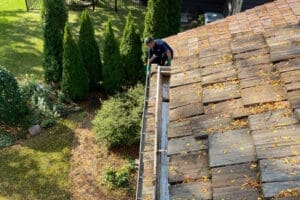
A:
(160, 48)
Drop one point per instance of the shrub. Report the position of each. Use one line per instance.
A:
(89, 49)
(54, 16)
(45, 103)
(131, 51)
(41, 99)
(118, 121)
(174, 12)
(118, 178)
(6, 139)
(12, 104)
(112, 74)
(75, 81)
(156, 19)
(200, 20)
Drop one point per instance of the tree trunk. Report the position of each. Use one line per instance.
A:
(93, 2)
(27, 5)
(116, 5)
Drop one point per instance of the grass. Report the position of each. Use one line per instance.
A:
(38, 168)
(21, 41)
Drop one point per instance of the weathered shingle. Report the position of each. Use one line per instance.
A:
(234, 130)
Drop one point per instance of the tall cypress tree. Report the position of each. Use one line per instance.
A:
(75, 81)
(131, 52)
(112, 74)
(54, 16)
(89, 49)
(174, 11)
(156, 21)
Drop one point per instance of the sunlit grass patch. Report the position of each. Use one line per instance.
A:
(38, 168)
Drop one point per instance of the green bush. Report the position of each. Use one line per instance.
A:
(112, 73)
(118, 121)
(118, 178)
(45, 103)
(41, 99)
(54, 16)
(89, 49)
(131, 51)
(75, 82)
(12, 104)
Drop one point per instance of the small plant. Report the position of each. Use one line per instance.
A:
(200, 20)
(6, 139)
(45, 103)
(42, 102)
(48, 122)
(118, 178)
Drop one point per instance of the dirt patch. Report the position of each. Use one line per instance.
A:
(84, 170)
(90, 158)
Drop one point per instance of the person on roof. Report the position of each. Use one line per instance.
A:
(159, 52)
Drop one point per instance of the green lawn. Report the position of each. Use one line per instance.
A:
(21, 41)
(38, 168)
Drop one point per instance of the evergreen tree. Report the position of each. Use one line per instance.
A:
(174, 11)
(75, 82)
(54, 18)
(156, 19)
(131, 51)
(112, 74)
(89, 49)
(12, 104)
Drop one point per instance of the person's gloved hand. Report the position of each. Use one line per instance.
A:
(148, 68)
(169, 62)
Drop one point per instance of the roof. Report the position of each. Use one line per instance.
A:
(234, 109)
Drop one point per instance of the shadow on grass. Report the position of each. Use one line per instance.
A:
(20, 179)
(118, 19)
(131, 151)
(55, 139)
(21, 42)
(37, 168)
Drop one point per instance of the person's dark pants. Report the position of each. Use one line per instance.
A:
(161, 60)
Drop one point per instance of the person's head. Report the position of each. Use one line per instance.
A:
(149, 42)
